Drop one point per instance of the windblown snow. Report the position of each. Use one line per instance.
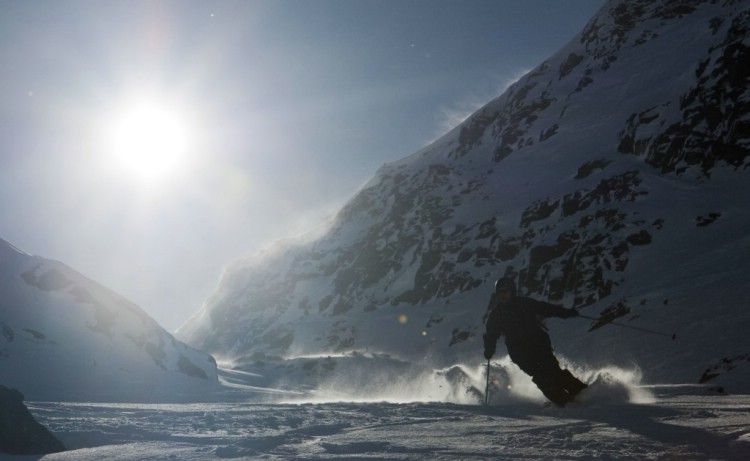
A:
(612, 178)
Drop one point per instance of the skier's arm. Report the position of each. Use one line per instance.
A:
(550, 310)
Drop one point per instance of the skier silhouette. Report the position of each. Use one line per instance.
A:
(521, 320)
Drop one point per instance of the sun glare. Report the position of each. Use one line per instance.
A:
(149, 140)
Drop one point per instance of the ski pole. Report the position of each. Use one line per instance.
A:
(487, 385)
(645, 330)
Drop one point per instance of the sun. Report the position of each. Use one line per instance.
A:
(149, 140)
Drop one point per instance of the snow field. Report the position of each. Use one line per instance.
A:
(683, 422)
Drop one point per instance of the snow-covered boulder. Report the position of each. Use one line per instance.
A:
(65, 337)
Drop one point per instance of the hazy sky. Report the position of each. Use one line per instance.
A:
(273, 113)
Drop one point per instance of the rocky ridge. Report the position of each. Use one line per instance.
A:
(610, 178)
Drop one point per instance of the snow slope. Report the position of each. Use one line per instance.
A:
(64, 337)
(612, 177)
(680, 424)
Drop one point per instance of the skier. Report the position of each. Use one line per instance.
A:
(521, 320)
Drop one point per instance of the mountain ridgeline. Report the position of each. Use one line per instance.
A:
(613, 178)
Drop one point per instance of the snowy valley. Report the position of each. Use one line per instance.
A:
(612, 178)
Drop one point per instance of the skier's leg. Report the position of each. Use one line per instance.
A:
(572, 384)
(544, 369)
(551, 389)
(557, 384)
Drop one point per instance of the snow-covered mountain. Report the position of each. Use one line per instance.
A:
(65, 337)
(613, 177)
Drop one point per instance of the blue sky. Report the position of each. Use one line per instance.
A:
(287, 107)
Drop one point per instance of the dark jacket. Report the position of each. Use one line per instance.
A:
(521, 321)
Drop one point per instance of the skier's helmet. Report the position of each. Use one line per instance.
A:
(506, 284)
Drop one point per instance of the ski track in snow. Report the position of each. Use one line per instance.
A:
(682, 422)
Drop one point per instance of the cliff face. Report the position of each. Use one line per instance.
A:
(611, 178)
